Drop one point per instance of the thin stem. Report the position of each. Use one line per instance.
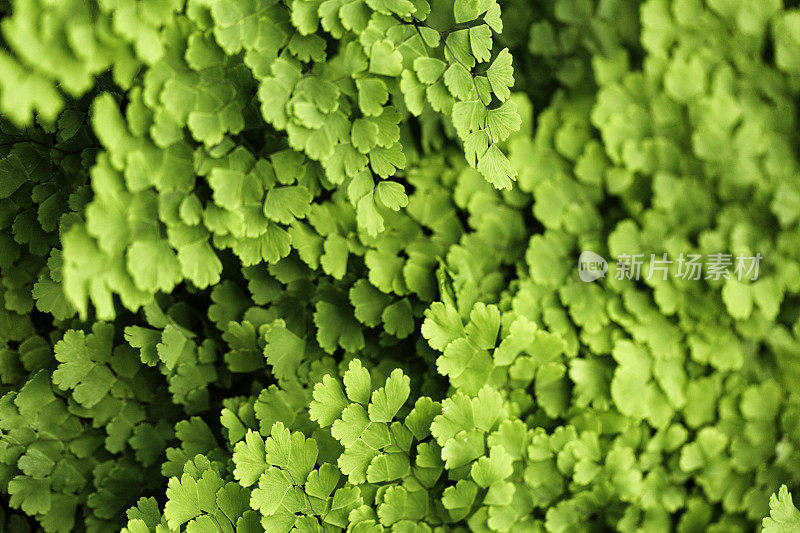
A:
(253, 94)
(474, 82)
(294, 483)
(216, 523)
(28, 138)
(443, 37)
(407, 454)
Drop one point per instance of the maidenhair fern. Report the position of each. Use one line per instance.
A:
(314, 266)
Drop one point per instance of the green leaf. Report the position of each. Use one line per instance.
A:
(357, 383)
(413, 92)
(458, 498)
(398, 503)
(31, 495)
(462, 413)
(372, 94)
(384, 59)
(387, 400)
(492, 17)
(484, 325)
(468, 117)
(12, 175)
(284, 351)
(291, 451)
(495, 167)
(233, 188)
(336, 327)
(475, 146)
(329, 402)
(364, 135)
(321, 483)
(276, 491)
(442, 325)
(430, 36)
(334, 260)
(783, 515)
(388, 467)
(480, 40)
(354, 424)
(466, 365)
(30, 92)
(501, 74)
(304, 16)
(202, 53)
(419, 419)
(200, 264)
(503, 121)
(249, 456)
(458, 48)
(369, 302)
(403, 8)
(80, 368)
(468, 10)
(323, 93)
(386, 161)
(738, 298)
(285, 204)
(440, 98)
(361, 439)
(289, 166)
(496, 467)
(685, 78)
(187, 497)
(368, 217)
(391, 195)
(50, 298)
(355, 16)
(459, 81)
(361, 185)
(429, 69)
(398, 318)
(153, 265)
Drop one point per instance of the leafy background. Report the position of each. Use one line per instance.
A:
(310, 265)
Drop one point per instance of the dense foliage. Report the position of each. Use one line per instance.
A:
(311, 265)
